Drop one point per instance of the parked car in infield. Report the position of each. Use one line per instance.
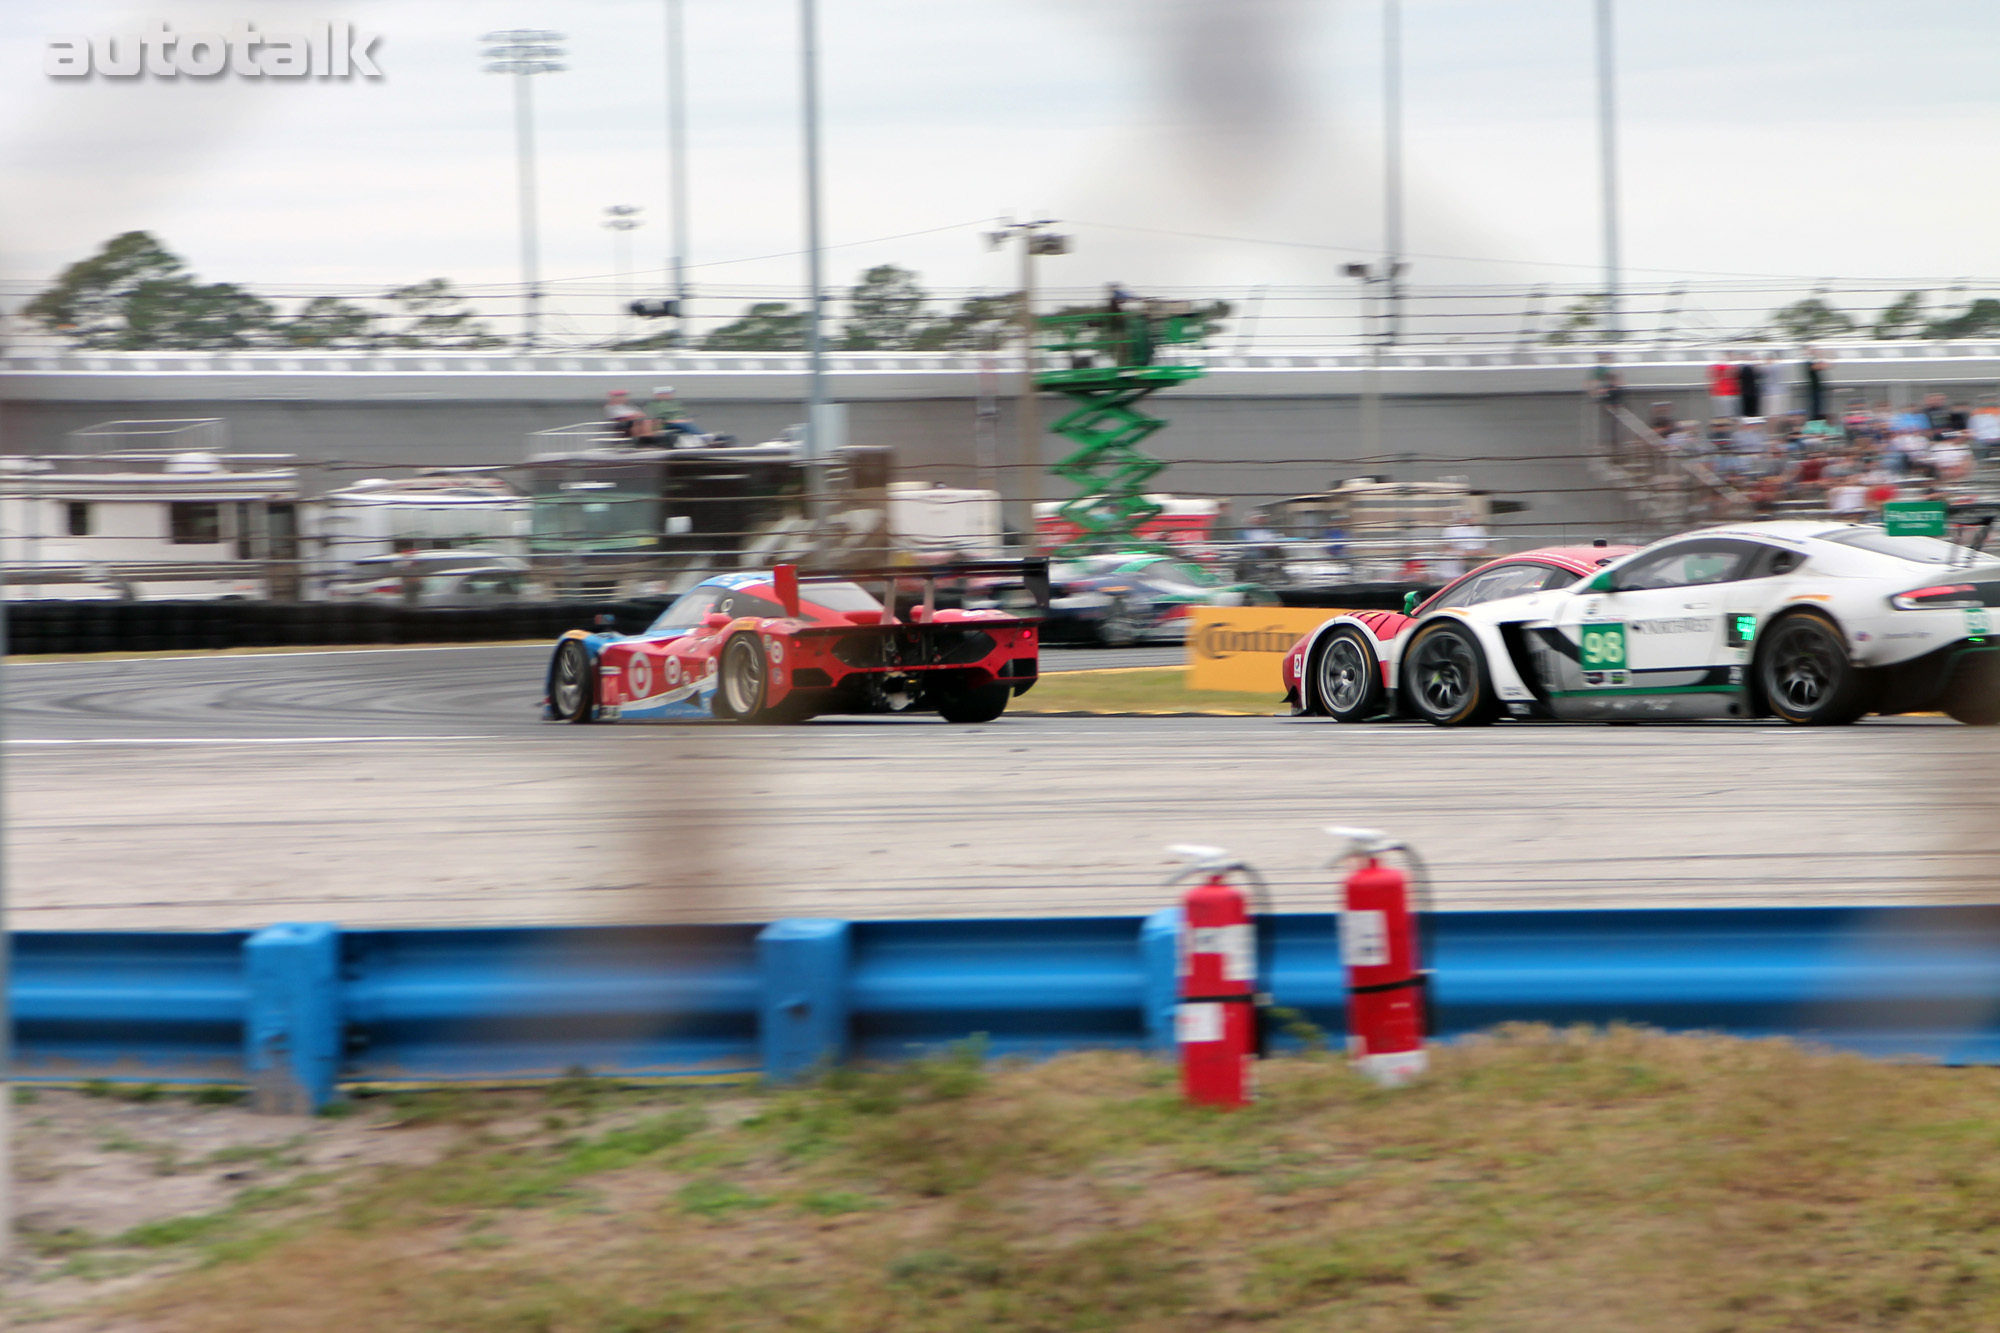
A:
(1130, 597)
(776, 647)
(1815, 623)
(1346, 668)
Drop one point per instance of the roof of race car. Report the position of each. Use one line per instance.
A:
(1576, 559)
(1791, 531)
(1776, 527)
(745, 579)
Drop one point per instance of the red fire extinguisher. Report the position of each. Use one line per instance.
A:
(1218, 1023)
(1382, 946)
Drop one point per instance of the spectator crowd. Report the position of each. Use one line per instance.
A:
(1777, 442)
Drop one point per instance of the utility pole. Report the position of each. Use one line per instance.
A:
(1607, 144)
(677, 191)
(524, 52)
(1392, 160)
(1034, 241)
(619, 218)
(816, 413)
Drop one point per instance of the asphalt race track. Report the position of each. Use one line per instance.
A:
(417, 787)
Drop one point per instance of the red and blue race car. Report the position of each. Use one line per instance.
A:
(775, 647)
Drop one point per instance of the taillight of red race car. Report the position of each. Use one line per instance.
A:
(1938, 597)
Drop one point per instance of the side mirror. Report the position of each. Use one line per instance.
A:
(1602, 583)
(1410, 600)
(714, 620)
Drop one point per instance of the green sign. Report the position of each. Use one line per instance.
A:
(1913, 518)
(1603, 647)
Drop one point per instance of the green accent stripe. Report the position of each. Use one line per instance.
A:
(1646, 689)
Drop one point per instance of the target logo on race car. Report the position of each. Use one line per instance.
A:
(673, 672)
(639, 676)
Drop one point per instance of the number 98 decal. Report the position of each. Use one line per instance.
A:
(1602, 654)
(1603, 647)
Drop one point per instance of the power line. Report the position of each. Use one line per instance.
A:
(1471, 259)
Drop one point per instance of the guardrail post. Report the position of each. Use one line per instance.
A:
(292, 1033)
(802, 1011)
(1160, 963)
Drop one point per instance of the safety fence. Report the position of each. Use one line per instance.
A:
(295, 1010)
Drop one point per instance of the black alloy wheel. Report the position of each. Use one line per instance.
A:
(571, 683)
(1349, 677)
(1444, 678)
(739, 694)
(1805, 673)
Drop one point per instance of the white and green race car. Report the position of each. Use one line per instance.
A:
(1815, 623)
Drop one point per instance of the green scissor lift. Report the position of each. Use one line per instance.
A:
(1107, 363)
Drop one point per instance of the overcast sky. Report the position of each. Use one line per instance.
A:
(1808, 138)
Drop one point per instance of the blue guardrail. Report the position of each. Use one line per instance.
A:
(296, 1009)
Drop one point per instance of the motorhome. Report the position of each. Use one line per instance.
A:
(438, 509)
(146, 524)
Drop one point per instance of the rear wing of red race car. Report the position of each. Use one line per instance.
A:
(1019, 587)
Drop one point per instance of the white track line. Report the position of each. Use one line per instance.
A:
(249, 740)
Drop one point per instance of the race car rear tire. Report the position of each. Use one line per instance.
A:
(1972, 696)
(1348, 677)
(981, 704)
(794, 709)
(571, 683)
(741, 680)
(1445, 679)
(1805, 674)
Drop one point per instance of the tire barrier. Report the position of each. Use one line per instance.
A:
(294, 1010)
(109, 627)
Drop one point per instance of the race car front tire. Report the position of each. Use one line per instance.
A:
(1348, 677)
(1445, 680)
(741, 680)
(1972, 696)
(980, 704)
(1120, 626)
(571, 678)
(1806, 675)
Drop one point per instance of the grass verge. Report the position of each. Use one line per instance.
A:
(1137, 690)
(1539, 1179)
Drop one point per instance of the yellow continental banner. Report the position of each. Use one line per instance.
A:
(1242, 648)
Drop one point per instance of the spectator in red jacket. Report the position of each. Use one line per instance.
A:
(1722, 389)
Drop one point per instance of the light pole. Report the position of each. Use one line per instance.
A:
(1373, 276)
(817, 416)
(677, 191)
(1607, 147)
(523, 52)
(1034, 241)
(1392, 159)
(621, 220)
